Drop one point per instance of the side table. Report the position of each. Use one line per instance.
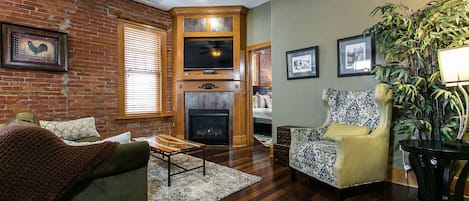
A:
(432, 163)
(282, 147)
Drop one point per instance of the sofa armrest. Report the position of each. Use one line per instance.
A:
(306, 134)
(125, 157)
(364, 156)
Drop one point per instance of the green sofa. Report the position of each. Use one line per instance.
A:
(121, 177)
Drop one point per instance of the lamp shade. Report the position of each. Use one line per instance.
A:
(454, 64)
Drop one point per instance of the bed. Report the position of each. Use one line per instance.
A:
(262, 108)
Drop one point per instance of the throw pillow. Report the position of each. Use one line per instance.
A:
(263, 101)
(122, 138)
(260, 100)
(337, 130)
(72, 130)
(254, 101)
(268, 101)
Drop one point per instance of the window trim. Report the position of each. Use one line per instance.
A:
(122, 116)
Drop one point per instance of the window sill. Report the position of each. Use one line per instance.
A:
(145, 117)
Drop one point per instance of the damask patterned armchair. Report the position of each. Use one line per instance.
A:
(350, 159)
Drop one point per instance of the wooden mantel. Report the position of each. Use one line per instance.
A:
(233, 80)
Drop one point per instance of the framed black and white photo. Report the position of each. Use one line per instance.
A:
(303, 63)
(355, 56)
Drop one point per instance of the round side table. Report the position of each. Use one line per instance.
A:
(432, 163)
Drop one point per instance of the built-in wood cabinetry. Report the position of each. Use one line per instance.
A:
(207, 22)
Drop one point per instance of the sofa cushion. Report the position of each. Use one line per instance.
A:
(73, 129)
(337, 130)
(123, 138)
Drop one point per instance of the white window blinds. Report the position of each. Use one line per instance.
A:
(142, 63)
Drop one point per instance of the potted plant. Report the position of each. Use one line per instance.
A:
(409, 41)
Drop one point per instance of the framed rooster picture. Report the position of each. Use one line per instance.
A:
(32, 48)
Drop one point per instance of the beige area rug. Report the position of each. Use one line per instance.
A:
(219, 181)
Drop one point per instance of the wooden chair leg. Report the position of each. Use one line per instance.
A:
(292, 174)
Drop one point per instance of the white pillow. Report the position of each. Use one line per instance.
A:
(73, 129)
(122, 138)
(268, 102)
(263, 101)
(254, 102)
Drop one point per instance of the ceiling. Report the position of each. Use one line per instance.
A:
(168, 4)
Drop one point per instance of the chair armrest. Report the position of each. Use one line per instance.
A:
(364, 156)
(125, 157)
(307, 134)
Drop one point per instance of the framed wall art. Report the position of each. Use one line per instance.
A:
(303, 63)
(32, 48)
(355, 56)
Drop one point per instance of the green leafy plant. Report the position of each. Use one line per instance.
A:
(409, 40)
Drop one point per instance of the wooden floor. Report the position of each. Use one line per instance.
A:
(276, 184)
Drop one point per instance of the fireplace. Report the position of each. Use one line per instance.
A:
(209, 126)
(209, 117)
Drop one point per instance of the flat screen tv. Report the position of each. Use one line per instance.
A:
(208, 53)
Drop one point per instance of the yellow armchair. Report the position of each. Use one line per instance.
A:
(348, 160)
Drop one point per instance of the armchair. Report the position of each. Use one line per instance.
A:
(349, 160)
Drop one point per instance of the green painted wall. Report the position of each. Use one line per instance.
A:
(258, 24)
(303, 23)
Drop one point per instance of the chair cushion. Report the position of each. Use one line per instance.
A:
(337, 130)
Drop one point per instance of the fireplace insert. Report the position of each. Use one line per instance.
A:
(209, 126)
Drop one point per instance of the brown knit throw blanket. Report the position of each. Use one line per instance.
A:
(35, 164)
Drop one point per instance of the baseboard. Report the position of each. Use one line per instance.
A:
(397, 175)
(466, 187)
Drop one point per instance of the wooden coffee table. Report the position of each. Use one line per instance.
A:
(168, 146)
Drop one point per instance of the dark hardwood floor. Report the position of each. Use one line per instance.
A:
(276, 183)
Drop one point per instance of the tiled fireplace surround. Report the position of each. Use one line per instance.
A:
(222, 94)
(210, 101)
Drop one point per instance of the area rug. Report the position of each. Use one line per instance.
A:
(264, 139)
(219, 181)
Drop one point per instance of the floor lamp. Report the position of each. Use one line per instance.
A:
(454, 69)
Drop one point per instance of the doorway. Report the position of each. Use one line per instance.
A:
(259, 93)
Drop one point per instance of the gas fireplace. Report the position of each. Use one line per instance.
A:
(209, 126)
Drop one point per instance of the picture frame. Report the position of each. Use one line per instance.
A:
(33, 48)
(355, 56)
(303, 63)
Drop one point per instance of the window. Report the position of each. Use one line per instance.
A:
(142, 55)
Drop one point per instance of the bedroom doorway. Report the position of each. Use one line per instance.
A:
(259, 118)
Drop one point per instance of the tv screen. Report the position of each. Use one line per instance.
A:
(208, 53)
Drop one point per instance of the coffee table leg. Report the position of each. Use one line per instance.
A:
(203, 159)
(169, 170)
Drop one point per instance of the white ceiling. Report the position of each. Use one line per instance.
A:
(168, 4)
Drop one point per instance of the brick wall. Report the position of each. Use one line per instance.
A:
(90, 86)
(265, 70)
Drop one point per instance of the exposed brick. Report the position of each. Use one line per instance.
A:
(265, 73)
(90, 86)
